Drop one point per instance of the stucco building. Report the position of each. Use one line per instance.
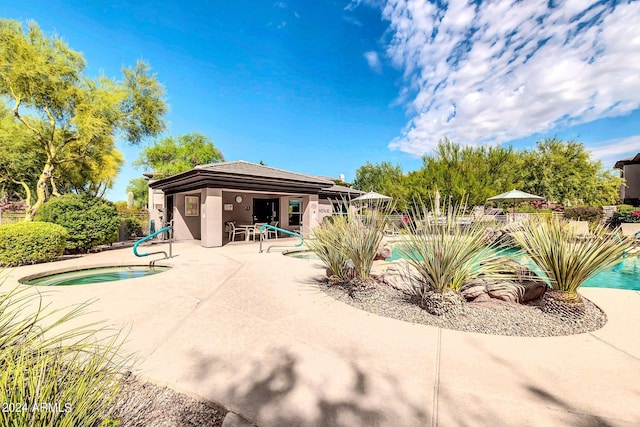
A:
(200, 201)
(630, 171)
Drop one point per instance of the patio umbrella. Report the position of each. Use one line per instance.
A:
(370, 196)
(514, 196)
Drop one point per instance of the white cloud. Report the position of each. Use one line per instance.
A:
(507, 69)
(353, 4)
(612, 150)
(280, 4)
(373, 60)
(352, 20)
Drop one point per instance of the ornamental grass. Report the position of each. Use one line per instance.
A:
(566, 259)
(327, 240)
(348, 244)
(446, 252)
(51, 372)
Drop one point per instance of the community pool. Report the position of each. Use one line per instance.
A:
(625, 275)
(93, 275)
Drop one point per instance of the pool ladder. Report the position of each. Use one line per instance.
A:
(168, 228)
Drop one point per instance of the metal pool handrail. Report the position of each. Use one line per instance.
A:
(168, 228)
(273, 227)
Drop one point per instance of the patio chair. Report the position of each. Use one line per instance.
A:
(230, 227)
(494, 214)
(271, 231)
(391, 230)
(255, 231)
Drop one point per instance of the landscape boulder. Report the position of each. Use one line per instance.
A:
(384, 250)
(400, 275)
(519, 285)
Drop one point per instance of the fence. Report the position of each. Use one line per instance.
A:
(10, 217)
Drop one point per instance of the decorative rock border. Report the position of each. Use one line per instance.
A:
(493, 317)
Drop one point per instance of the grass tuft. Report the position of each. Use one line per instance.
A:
(52, 373)
(566, 259)
(446, 252)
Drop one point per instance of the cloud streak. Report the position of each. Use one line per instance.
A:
(505, 69)
(613, 150)
(374, 61)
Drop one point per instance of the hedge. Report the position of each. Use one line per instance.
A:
(31, 242)
(90, 221)
(583, 213)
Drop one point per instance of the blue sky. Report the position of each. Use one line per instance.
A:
(321, 87)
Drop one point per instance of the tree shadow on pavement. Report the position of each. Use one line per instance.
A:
(272, 391)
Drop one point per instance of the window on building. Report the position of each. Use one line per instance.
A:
(191, 205)
(295, 212)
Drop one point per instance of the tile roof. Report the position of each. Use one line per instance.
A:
(628, 161)
(241, 167)
(342, 189)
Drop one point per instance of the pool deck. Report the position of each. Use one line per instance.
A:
(252, 332)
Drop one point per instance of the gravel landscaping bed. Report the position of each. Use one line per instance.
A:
(144, 404)
(492, 317)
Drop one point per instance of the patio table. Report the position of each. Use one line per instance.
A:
(246, 228)
(249, 227)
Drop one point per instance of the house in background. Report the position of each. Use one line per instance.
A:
(200, 201)
(630, 171)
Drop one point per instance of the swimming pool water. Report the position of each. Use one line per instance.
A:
(95, 275)
(625, 275)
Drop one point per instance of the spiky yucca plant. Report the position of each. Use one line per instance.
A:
(446, 253)
(353, 237)
(51, 373)
(566, 259)
(327, 242)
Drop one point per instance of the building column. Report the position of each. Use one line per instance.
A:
(155, 206)
(211, 227)
(310, 214)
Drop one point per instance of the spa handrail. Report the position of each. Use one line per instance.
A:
(273, 227)
(151, 236)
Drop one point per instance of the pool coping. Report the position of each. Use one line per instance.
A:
(39, 275)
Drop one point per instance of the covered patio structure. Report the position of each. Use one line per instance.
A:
(200, 201)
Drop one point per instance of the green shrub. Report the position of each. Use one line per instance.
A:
(31, 242)
(627, 216)
(626, 208)
(527, 208)
(136, 218)
(47, 359)
(584, 213)
(134, 226)
(89, 221)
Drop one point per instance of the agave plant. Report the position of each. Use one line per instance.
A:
(566, 259)
(53, 374)
(446, 253)
(348, 244)
(362, 240)
(327, 242)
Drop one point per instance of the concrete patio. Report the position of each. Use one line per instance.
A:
(254, 333)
